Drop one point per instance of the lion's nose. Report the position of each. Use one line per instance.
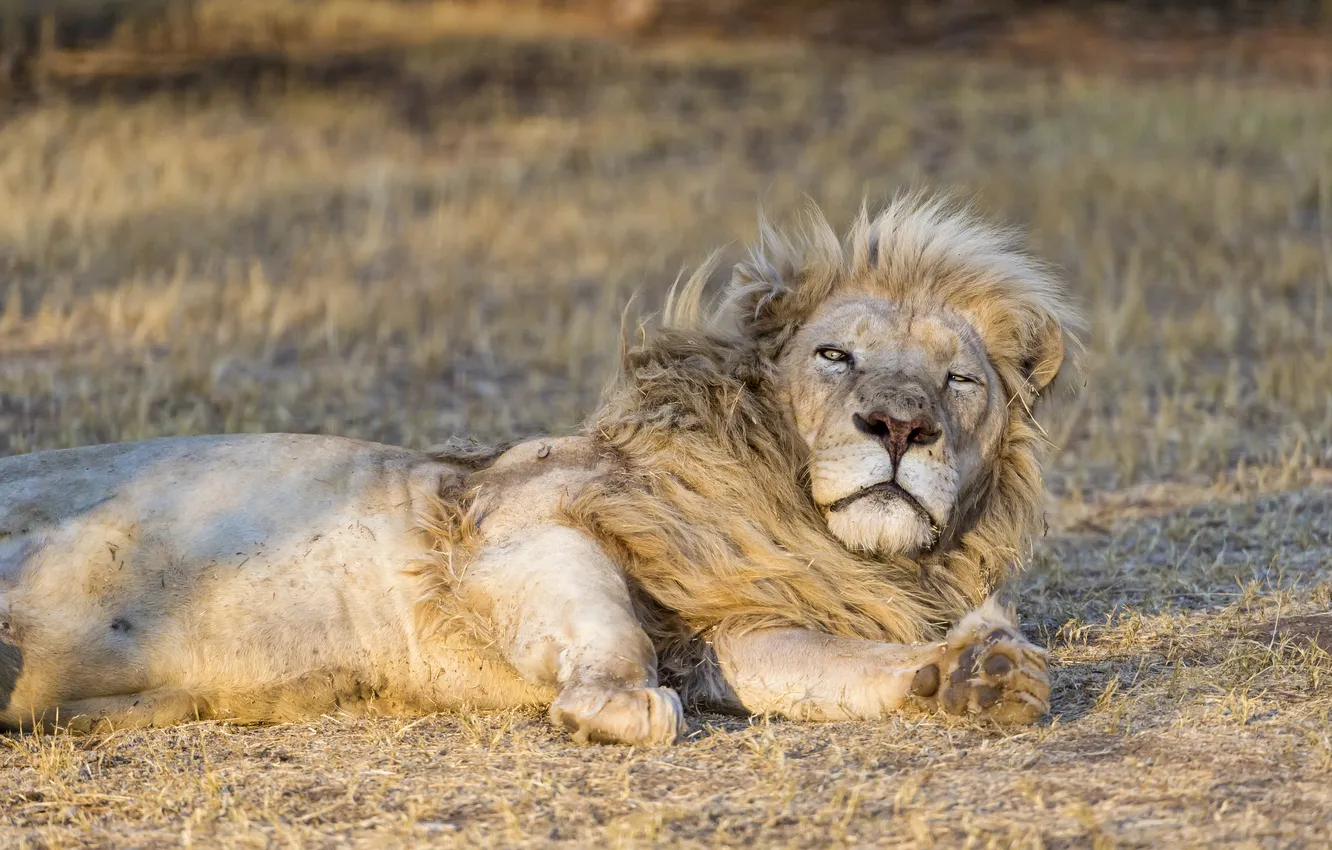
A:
(898, 435)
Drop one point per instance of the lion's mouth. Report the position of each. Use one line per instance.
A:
(884, 488)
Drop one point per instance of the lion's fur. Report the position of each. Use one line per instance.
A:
(711, 513)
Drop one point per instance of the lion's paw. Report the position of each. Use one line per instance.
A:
(990, 670)
(597, 714)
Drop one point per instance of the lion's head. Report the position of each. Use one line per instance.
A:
(847, 440)
(900, 364)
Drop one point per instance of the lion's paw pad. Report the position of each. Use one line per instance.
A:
(607, 715)
(996, 673)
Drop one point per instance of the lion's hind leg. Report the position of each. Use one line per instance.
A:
(990, 670)
(164, 707)
(563, 617)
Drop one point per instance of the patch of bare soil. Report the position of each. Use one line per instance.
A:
(1313, 629)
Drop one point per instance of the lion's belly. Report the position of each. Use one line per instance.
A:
(267, 576)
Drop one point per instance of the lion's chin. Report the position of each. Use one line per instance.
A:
(883, 526)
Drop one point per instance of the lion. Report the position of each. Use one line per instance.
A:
(798, 498)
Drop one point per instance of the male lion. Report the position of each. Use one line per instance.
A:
(778, 508)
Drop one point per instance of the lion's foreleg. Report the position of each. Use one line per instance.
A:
(983, 667)
(805, 675)
(562, 615)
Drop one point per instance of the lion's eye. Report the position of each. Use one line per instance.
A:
(957, 380)
(835, 355)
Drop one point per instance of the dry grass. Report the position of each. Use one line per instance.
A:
(403, 244)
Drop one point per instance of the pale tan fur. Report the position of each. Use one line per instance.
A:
(730, 526)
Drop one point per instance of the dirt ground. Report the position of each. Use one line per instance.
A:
(437, 232)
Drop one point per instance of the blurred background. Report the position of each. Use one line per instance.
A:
(401, 220)
(405, 220)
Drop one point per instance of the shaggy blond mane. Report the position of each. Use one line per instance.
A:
(711, 512)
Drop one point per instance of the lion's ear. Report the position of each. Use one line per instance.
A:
(1045, 356)
(785, 276)
(757, 292)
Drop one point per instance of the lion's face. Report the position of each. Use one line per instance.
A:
(900, 408)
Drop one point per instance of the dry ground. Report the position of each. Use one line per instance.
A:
(404, 244)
